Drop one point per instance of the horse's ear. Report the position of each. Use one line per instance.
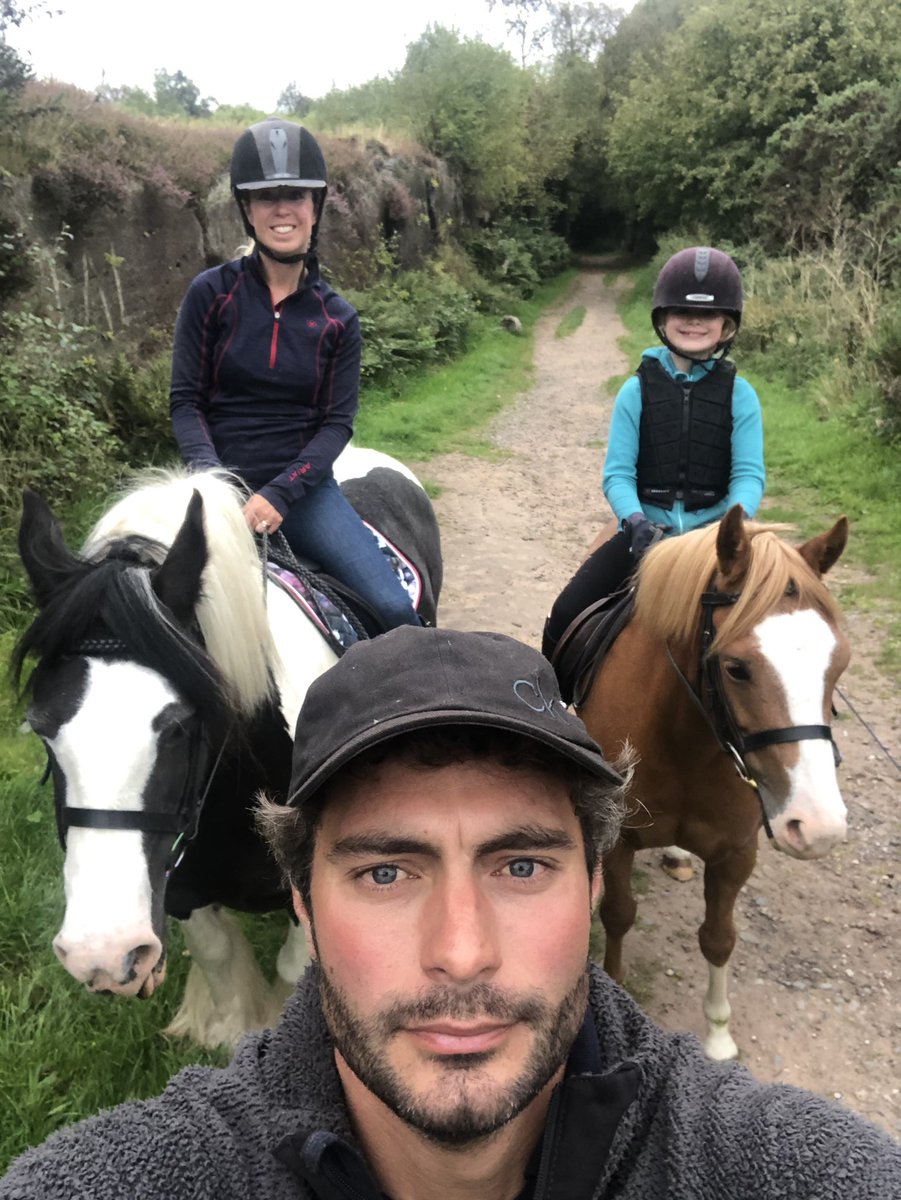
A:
(47, 559)
(176, 581)
(733, 546)
(824, 551)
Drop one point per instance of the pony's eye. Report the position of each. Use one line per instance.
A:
(738, 672)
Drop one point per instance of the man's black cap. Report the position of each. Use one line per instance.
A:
(414, 678)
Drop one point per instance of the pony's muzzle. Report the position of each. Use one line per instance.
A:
(132, 971)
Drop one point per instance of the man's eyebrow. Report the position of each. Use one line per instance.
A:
(379, 845)
(527, 838)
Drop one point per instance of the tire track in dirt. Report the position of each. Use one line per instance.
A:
(817, 964)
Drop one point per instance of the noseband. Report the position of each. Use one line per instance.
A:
(182, 823)
(721, 719)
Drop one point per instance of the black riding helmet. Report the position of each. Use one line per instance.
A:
(278, 153)
(701, 278)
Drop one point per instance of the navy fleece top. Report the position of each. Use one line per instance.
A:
(268, 391)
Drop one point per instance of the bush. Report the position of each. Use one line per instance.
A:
(416, 319)
(884, 354)
(518, 254)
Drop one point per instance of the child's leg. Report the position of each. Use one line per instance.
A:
(601, 573)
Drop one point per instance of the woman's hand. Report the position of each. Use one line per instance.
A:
(260, 516)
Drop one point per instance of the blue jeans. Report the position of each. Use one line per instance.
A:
(321, 525)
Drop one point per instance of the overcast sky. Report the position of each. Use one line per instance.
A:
(240, 51)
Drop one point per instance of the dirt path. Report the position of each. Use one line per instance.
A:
(817, 969)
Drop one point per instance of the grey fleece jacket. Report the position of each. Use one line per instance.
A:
(696, 1131)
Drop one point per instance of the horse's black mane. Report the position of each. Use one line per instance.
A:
(112, 597)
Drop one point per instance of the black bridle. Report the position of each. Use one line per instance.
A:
(182, 823)
(720, 718)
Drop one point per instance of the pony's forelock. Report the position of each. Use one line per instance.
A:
(673, 576)
(231, 612)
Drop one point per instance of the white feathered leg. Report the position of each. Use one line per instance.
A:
(226, 993)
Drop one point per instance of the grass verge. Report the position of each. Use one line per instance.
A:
(447, 408)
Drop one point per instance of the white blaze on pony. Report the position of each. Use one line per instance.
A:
(806, 657)
(166, 691)
(106, 753)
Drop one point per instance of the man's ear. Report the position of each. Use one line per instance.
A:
(597, 886)
(303, 916)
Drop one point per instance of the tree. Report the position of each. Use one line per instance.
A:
(293, 102)
(14, 71)
(176, 95)
(581, 31)
(687, 141)
(466, 102)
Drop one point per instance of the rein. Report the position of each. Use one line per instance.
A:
(183, 822)
(720, 719)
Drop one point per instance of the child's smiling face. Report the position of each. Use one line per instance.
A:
(694, 332)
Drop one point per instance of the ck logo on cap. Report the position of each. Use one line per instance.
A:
(530, 693)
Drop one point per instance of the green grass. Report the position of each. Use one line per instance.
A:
(571, 321)
(447, 408)
(817, 469)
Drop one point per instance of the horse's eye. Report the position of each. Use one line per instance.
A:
(791, 588)
(738, 672)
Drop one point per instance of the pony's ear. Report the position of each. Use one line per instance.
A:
(176, 581)
(47, 559)
(824, 551)
(733, 546)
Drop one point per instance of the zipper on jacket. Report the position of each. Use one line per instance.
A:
(550, 1132)
(683, 442)
(273, 345)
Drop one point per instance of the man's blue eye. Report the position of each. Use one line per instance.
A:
(523, 868)
(384, 875)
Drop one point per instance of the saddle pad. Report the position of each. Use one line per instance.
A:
(407, 574)
(328, 617)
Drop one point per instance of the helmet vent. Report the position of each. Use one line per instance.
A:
(278, 141)
(702, 262)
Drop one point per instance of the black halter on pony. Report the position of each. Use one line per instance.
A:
(721, 719)
(107, 609)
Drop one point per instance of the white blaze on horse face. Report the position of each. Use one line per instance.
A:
(800, 647)
(107, 752)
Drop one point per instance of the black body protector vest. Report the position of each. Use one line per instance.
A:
(685, 438)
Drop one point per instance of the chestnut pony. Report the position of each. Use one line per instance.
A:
(722, 683)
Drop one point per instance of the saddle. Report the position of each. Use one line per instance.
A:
(340, 614)
(585, 642)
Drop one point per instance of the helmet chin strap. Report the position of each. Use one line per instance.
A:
(288, 259)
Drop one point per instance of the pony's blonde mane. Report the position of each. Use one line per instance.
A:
(674, 574)
(231, 612)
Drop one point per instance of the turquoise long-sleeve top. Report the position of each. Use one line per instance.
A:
(748, 475)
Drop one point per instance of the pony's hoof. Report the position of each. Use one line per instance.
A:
(677, 868)
(720, 1045)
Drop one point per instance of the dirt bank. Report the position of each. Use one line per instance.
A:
(817, 965)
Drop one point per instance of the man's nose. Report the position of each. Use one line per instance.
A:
(459, 935)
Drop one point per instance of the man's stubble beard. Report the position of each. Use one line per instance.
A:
(456, 1111)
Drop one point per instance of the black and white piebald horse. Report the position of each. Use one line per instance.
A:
(166, 692)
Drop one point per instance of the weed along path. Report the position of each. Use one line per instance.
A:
(816, 989)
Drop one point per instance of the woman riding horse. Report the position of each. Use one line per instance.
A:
(266, 369)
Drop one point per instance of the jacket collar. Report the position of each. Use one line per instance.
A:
(315, 1142)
